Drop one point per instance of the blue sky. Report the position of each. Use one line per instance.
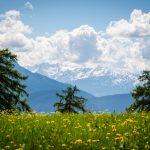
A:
(53, 15)
(54, 37)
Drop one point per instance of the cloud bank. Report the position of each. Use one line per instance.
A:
(124, 46)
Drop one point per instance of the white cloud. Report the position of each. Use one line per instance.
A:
(82, 48)
(28, 5)
(13, 31)
(83, 41)
(137, 26)
(10, 22)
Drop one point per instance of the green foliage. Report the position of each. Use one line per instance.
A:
(75, 131)
(12, 91)
(69, 102)
(141, 94)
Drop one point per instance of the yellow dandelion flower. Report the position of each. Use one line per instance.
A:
(113, 126)
(48, 122)
(63, 145)
(89, 141)
(126, 134)
(52, 121)
(79, 141)
(129, 120)
(94, 130)
(118, 134)
(88, 124)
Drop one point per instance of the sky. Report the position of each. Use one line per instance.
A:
(113, 34)
(49, 16)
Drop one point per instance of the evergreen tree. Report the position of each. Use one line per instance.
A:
(141, 94)
(12, 91)
(69, 102)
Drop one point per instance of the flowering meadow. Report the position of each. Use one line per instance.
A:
(75, 131)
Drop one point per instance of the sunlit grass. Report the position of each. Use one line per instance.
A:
(75, 131)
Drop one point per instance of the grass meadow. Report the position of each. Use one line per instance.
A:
(75, 131)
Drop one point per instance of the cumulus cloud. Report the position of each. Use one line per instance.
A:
(82, 47)
(137, 26)
(83, 41)
(13, 31)
(28, 5)
(10, 22)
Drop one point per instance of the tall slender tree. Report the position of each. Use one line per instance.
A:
(12, 91)
(69, 101)
(141, 94)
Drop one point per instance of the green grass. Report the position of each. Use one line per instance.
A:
(87, 132)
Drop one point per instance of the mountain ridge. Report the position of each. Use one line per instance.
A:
(43, 90)
(111, 81)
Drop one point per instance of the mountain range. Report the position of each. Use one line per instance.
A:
(43, 91)
(96, 80)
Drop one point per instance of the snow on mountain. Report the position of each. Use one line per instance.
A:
(64, 73)
(97, 80)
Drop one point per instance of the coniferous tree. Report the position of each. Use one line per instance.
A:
(141, 94)
(69, 102)
(12, 91)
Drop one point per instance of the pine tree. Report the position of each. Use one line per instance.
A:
(69, 102)
(12, 91)
(141, 94)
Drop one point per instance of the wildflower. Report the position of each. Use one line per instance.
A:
(126, 134)
(52, 121)
(129, 120)
(117, 138)
(63, 145)
(79, 141)
(113, 127)
(47, 122)
(37, 121)
(95, 140)
(89, 140)
(92, 141)
(88, 124)
(118, 134)
(94, 130)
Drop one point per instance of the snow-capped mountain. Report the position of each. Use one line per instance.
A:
(97, 80)
(66, 73)
(42, 95)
